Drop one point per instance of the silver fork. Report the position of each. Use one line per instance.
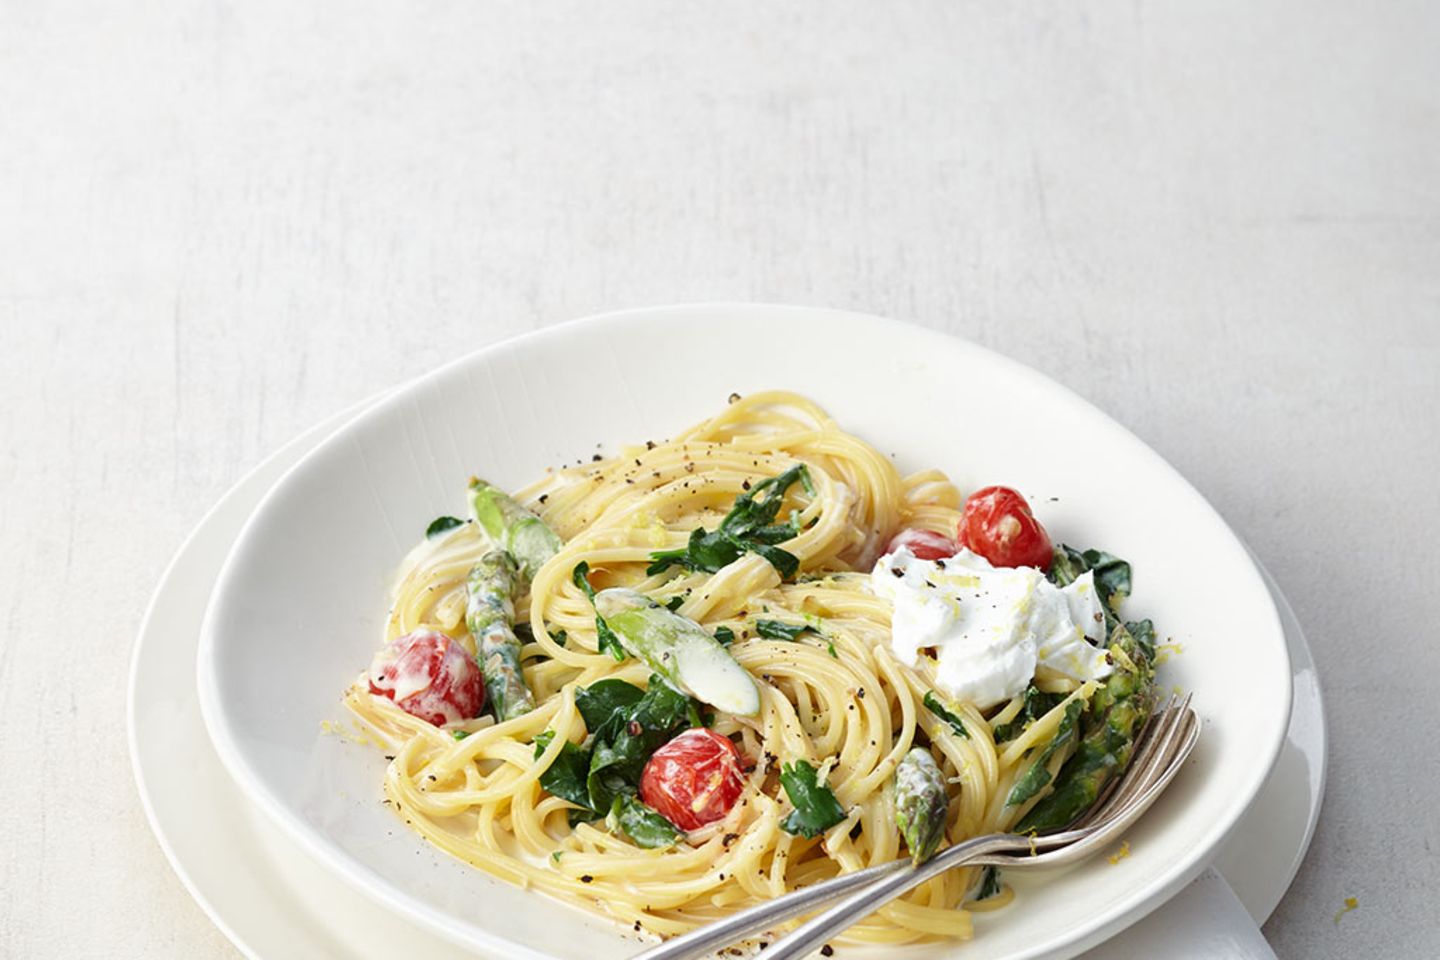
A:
(1161, 749)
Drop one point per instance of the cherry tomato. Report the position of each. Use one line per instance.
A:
(998, 525)
(429, 676)
(925, 544)
(694, 779)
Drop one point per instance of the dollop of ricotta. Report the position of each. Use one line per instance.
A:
(989, 627)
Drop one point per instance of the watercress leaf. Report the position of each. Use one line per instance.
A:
(933, 704)
(643, 824)
(784, 562)
(816, 809)
(565, 778)
(989, 885)
(1036, 705)
(748, 527)
(1112, 577)
(780, 630)
(1037, 776)
(604, 698)
(442, 524)
(624, 740)
(581, 577)
(1144, 633)
(605, 637)
(1066, 565)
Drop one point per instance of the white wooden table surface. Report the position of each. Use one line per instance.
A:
(221, 222)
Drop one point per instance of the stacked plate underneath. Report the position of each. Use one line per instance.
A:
(280, 837)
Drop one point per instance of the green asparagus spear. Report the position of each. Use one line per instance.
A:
(489, 614)
(1117, 712)
(920, 803)
(678, 649)
(511, 527)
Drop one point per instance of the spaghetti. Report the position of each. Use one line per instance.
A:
(832, 692)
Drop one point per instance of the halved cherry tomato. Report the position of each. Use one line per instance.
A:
(998, 525)
(429, 676)
(694, 779)
(924, 544)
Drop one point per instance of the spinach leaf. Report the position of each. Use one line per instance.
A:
(749, 527)
(1035, 778)
(1066, 565)
(603, 698)
(1036, 705)
(643, 824)
(605, 637)
(989, 884)
(725, 635)
(816, 809)
(933, 704)
(1112, 575)
(1144, 633)
(440, 525)
(625, 739)
(566, 776)
(779, 630)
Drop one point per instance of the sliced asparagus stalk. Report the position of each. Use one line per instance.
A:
(678, 649)
(490, 614)
(920, 803)
(1117, 712)
(511, 527)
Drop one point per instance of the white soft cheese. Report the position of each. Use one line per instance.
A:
(989, 627)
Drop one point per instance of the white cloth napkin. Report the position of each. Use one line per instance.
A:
(1205, 920)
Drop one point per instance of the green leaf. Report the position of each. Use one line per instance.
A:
(565, 778)
(625, 739)
(933, 704)
(1036, 705)
(675, 602)
(643, 824)
(816, 809)
(1112, 577)
(440, 525)
(603, 698)
(1037, 776)
(559, 637)
(725, 635)
(749, 527)
(460, 734)
(605, 637)
(989, 884)
(1144, 633)
(779, 630)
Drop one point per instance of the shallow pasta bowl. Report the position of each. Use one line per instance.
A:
(299, 606)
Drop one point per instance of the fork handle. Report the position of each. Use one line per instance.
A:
(756, 919)
(862, 903)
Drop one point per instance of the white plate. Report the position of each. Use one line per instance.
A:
(275, 904)
(299, 603)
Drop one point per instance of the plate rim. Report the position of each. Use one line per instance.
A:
(1119, 913)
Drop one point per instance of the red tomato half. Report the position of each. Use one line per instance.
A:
(998, 525)
(924, 544)
(429, 676)
(694, 779)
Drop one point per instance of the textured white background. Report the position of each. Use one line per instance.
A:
(220, 222)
